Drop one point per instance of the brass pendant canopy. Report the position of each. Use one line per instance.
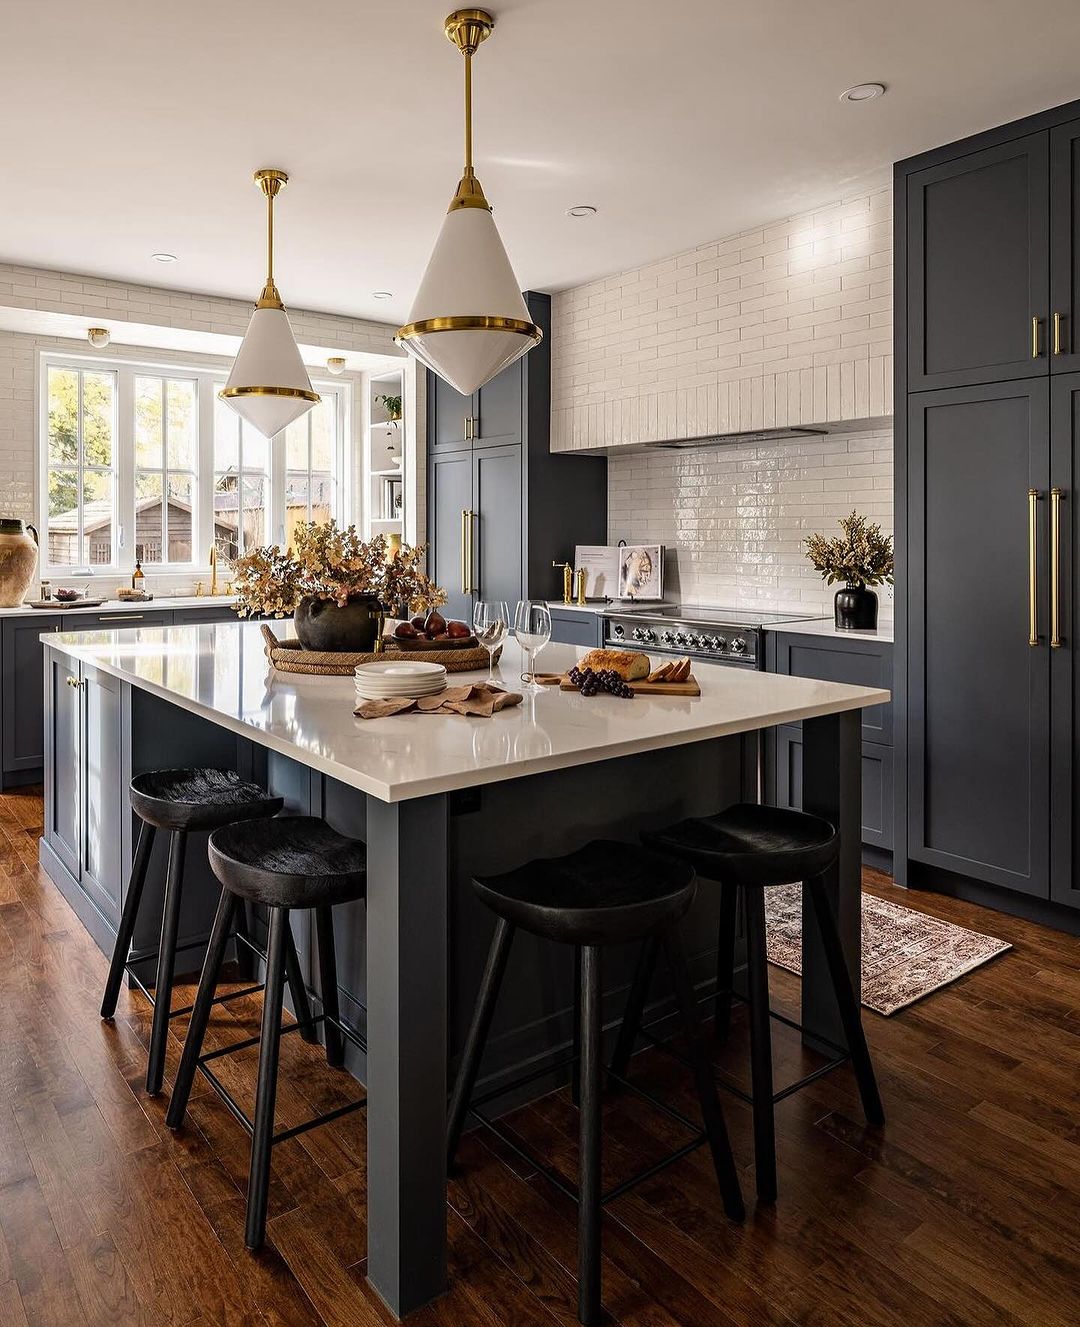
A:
(268, 385)
(469, 319)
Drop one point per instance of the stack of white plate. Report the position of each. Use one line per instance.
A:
(399, 679)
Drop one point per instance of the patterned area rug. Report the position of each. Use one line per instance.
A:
(905, 954)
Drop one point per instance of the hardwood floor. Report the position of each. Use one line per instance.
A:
(964, 1211)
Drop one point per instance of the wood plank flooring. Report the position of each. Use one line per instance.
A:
(964, 1211)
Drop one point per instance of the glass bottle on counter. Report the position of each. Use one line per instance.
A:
(138, 577)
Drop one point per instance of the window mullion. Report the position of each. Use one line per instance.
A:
(124, 469)
(275, 528)
(205, 506)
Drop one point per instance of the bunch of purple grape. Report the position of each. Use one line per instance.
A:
(591, 683)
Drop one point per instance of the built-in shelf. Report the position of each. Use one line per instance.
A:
(385, 424)
(386, 520)
(394, 470)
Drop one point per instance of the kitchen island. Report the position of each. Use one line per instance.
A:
(437, 799)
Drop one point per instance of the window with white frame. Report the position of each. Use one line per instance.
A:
(142, 461)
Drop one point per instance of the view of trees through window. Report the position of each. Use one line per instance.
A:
(82, 477)
(130, 474)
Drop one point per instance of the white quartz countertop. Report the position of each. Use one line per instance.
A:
(159, 604)
(220, 671)
(826, 626)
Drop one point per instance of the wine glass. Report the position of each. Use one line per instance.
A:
(491, 622)
(532, 627)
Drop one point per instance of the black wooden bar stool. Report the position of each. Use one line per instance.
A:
(290, 862)
(606, 893)
(746, 849)
(181, 801)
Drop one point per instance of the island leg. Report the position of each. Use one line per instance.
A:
(832, 789)
(406, 1061)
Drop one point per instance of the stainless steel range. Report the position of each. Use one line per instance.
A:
(720, 635)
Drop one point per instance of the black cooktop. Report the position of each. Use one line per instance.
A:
(709, 616)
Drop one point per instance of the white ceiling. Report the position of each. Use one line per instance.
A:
(128, 128)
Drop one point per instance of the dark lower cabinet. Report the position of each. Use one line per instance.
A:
(63, 793)
(859, 662)
(573, 626)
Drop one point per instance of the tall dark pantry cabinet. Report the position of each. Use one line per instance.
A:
(501, 508)
(988, 528)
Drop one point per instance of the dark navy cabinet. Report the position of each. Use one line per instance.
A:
(987, 252)
(575, 626)
(501, 507)
(859, 662)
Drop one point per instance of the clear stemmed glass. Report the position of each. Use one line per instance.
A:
(491, 622)
(532, 627)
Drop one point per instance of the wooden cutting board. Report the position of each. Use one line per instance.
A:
(688, 688)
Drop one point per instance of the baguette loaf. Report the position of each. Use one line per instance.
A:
(630, 665)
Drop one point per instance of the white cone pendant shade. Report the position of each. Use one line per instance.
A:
(469, 319)
(269, 386)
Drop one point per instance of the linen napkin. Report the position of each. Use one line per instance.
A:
(478, 699)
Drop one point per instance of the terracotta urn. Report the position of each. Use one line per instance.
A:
(18, 560)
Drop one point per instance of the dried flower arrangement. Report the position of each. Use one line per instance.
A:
(861, 556)
(332, 564)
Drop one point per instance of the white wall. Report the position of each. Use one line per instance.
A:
(789, 323)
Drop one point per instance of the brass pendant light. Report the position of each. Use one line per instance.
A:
(469, 319)
(268, 385)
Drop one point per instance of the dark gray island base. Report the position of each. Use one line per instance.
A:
(445, 798)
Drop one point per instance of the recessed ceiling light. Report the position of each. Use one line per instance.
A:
(863, 92)
(582, 210)
(164, 257)
(382, 294)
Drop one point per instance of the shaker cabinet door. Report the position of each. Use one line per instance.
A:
(978, 267)
(498, 408)
(101, 793)
(447, 414)
(979, 695)
(450, 495)
(1064, 659)
(497, 541)
(23, 702)
(63, 800)
(1065, 248)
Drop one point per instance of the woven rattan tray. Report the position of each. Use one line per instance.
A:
(289, 656)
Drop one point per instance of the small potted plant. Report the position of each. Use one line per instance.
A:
(862, 556)
(392, 406)
(336, 585)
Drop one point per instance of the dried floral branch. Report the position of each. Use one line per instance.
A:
(333, 564)
(861, 556)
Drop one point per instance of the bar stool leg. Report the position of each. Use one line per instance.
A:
(129, 917)
(635, 1006)
(589, 1193)
(760, 1046)
(715, 1128)
(200, 1013)
(298, 990)
(494, 970)
(850, 1014)
(725, 961)
(170, 925)
(262, 1138)
(324, 934)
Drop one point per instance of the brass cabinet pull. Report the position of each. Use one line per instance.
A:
(1035, 323)
(1033, 568)
(472, 550)
(1056, 494)
(1057, 333)
(470, 428)
(463, 544)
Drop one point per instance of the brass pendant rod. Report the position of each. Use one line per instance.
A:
(468, 113)
(269, 239)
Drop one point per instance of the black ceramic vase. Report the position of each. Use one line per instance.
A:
(855, 609)
(322, 625)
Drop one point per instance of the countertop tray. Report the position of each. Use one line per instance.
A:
(641, 688)
(52, 605)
